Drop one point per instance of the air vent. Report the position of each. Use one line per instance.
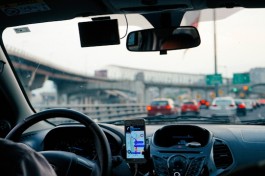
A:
(222, 155)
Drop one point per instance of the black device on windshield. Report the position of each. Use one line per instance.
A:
(100, 32)
(135, 140)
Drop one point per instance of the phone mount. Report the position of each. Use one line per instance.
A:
(146, 152)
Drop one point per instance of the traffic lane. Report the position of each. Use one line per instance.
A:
(209, 113)
(258, 113)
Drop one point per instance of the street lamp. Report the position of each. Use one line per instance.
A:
(215, 50)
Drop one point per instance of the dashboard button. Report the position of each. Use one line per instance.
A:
(177, 174)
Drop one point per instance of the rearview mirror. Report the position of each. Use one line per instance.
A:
(163, 39)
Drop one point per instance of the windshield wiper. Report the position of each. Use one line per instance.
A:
(188, 118)
(254, 122)
(184, 118)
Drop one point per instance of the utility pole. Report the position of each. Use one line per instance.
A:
(215, 50)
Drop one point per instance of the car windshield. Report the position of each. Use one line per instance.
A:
(112, 83)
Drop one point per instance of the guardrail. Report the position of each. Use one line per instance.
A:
(101, 112)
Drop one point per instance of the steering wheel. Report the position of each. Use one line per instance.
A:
(66, 163)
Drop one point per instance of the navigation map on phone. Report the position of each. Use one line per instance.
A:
(135, 142)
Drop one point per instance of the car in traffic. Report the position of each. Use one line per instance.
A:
(241, 107)
(162, 106)
(204, 104)
(262, 102)
(223, 106)
(249, 104)
(77, 76)
(255, 103)
(190, 107)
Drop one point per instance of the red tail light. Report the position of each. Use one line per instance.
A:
(168, 107)
(241, 106)
(149, 108)
(231, 105)
(214, 105)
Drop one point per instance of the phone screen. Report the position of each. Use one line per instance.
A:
(135, 140)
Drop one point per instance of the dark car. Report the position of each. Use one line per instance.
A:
(190, 107)
(241, 107)
(162, 106)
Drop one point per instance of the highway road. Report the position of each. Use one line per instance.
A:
(256, 114)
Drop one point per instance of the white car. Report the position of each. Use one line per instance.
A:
(223, 106)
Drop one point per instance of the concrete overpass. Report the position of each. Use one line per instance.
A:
(68, 83)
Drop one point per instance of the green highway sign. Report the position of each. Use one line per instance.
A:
(241, 78)
(214, 79)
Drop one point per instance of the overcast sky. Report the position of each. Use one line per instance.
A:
(240, 47)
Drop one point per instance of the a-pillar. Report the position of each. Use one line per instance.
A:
(28, 92)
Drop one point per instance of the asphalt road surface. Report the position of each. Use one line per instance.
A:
(256, 114)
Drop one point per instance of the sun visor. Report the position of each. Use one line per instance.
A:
(99, 33)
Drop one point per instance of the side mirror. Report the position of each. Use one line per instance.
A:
(163, 39)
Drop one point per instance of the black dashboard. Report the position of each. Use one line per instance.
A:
(173, 149)
(76, 139)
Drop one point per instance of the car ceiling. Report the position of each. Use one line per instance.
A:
(68, 9)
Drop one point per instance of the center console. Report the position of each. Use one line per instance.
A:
(180, 150)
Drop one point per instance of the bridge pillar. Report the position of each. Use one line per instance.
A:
(62, 98)
(161, 95)
(140, 91)
(192, 93)
(86, 99)
(147, 96)
(151, 93)
(33, 80)
(37, 81)
(78, 98)
(66, 89)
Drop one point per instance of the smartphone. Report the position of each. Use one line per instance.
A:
(135, 140)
